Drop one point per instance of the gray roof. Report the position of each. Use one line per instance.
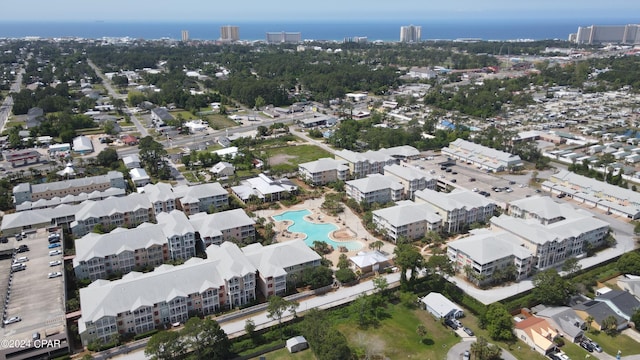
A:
(599, 311)
(134, 290)
(197, 192)
(322, 165)
(109, 206)
(375, 182)
(486, 246)
(623, 300)
(565, 318)
(232, 262)
(270, 260)
(162, 113)
(72, 183)
(457, 199)
(160, 192)
(406, 172)
(473, 150)
(408, 213)
(117, 241)
(212, 223)
(70, 199)
(82, 143)
(175, 223)
(595, 186)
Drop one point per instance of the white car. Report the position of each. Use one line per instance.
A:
(21, 259)
(55, 263)
(54, 274)
(12, 320)
(55, 252)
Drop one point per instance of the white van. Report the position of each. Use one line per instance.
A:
(21, 259)
(18, 267)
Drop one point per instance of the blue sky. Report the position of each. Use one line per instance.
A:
(315, 11)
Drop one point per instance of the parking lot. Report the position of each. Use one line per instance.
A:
(34, 297)
(470, 178)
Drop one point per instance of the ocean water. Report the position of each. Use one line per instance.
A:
(505, 29)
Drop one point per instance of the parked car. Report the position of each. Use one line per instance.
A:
(21, 259)
(12, 320)
(55, 263)
(4, 239)
(451, 324)
(538, 191)
(587, 346)
(54, 245)
(35, 336)
(472, 179)
(453, 180)
(23, 248)
(596, 347)
(466, 355)
(468, 331)
(512, 182)
(54, 274)
(55, 252)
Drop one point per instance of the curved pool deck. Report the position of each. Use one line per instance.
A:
(314, 231)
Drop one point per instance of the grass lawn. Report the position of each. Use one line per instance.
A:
(395, 337)
(611, 344)
(283, 354)
(220, 121)
(574, 351)
(287, 158)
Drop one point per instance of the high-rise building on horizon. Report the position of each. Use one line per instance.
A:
(284, 37)
(598, 34)
(410, 34)
(185, 35)
(229, 33)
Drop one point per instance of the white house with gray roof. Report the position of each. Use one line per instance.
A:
(264, 188)
(412, 179)
(458, 209)
(280, 264)
(483, 157)
(374, 188)
(407, 219)
(323, 171)
(484, 252)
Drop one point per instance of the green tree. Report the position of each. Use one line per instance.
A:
(153, 155)
(317, 277)
(629, 263)
(343, 261)
(498, 323)
(165, 345)
(206, 339)
(326, 342)
(440, 264)
(277, 307)
(376, 245)
(482, 350)
(108, 157)
(551, 289)
(408, 259)
(609, 325)
(635, 318)
(421, 330)
(571, 265)
(250, 330)
(345, 275)
(259, 102)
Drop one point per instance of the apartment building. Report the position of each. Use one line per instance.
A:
(70, 199)
(407, 219)
(483, 157)
(99, 256)
(458, 209)
(592, 192)
(232, 225)
(280, 264)
(180, 234)
(412, 179)
(229, 33)
(483, 253)
(237, 272)
(161, 196)
(264, 188)
(374, 188)
(373, 162)
(410, 34)
(34, 192)
(323, 171)
(139, 302)
(553, 243)
(128, 211)
(201, 198)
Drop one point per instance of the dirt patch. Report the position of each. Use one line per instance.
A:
(343, 234)
(280, 159)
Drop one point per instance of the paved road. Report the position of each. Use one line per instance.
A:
(7, 104)
(456, 351)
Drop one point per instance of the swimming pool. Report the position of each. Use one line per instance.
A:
(313, 231)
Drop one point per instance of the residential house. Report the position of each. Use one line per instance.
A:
(599, 311)
(131, 161)
(565, 320)
(223, 169)
(160, 116)
(441, 307)
(264, 188)
(367, 262)
(622, 302)
(139, 177)
(537, 333)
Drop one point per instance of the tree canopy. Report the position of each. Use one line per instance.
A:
(629, 263)
(551, 289)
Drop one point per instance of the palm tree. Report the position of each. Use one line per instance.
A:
(589, 321)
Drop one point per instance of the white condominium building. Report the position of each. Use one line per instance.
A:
(323, 171)
(412, 179)
(374, 188)
(407, 219)
(458, 208)
(483, 157)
